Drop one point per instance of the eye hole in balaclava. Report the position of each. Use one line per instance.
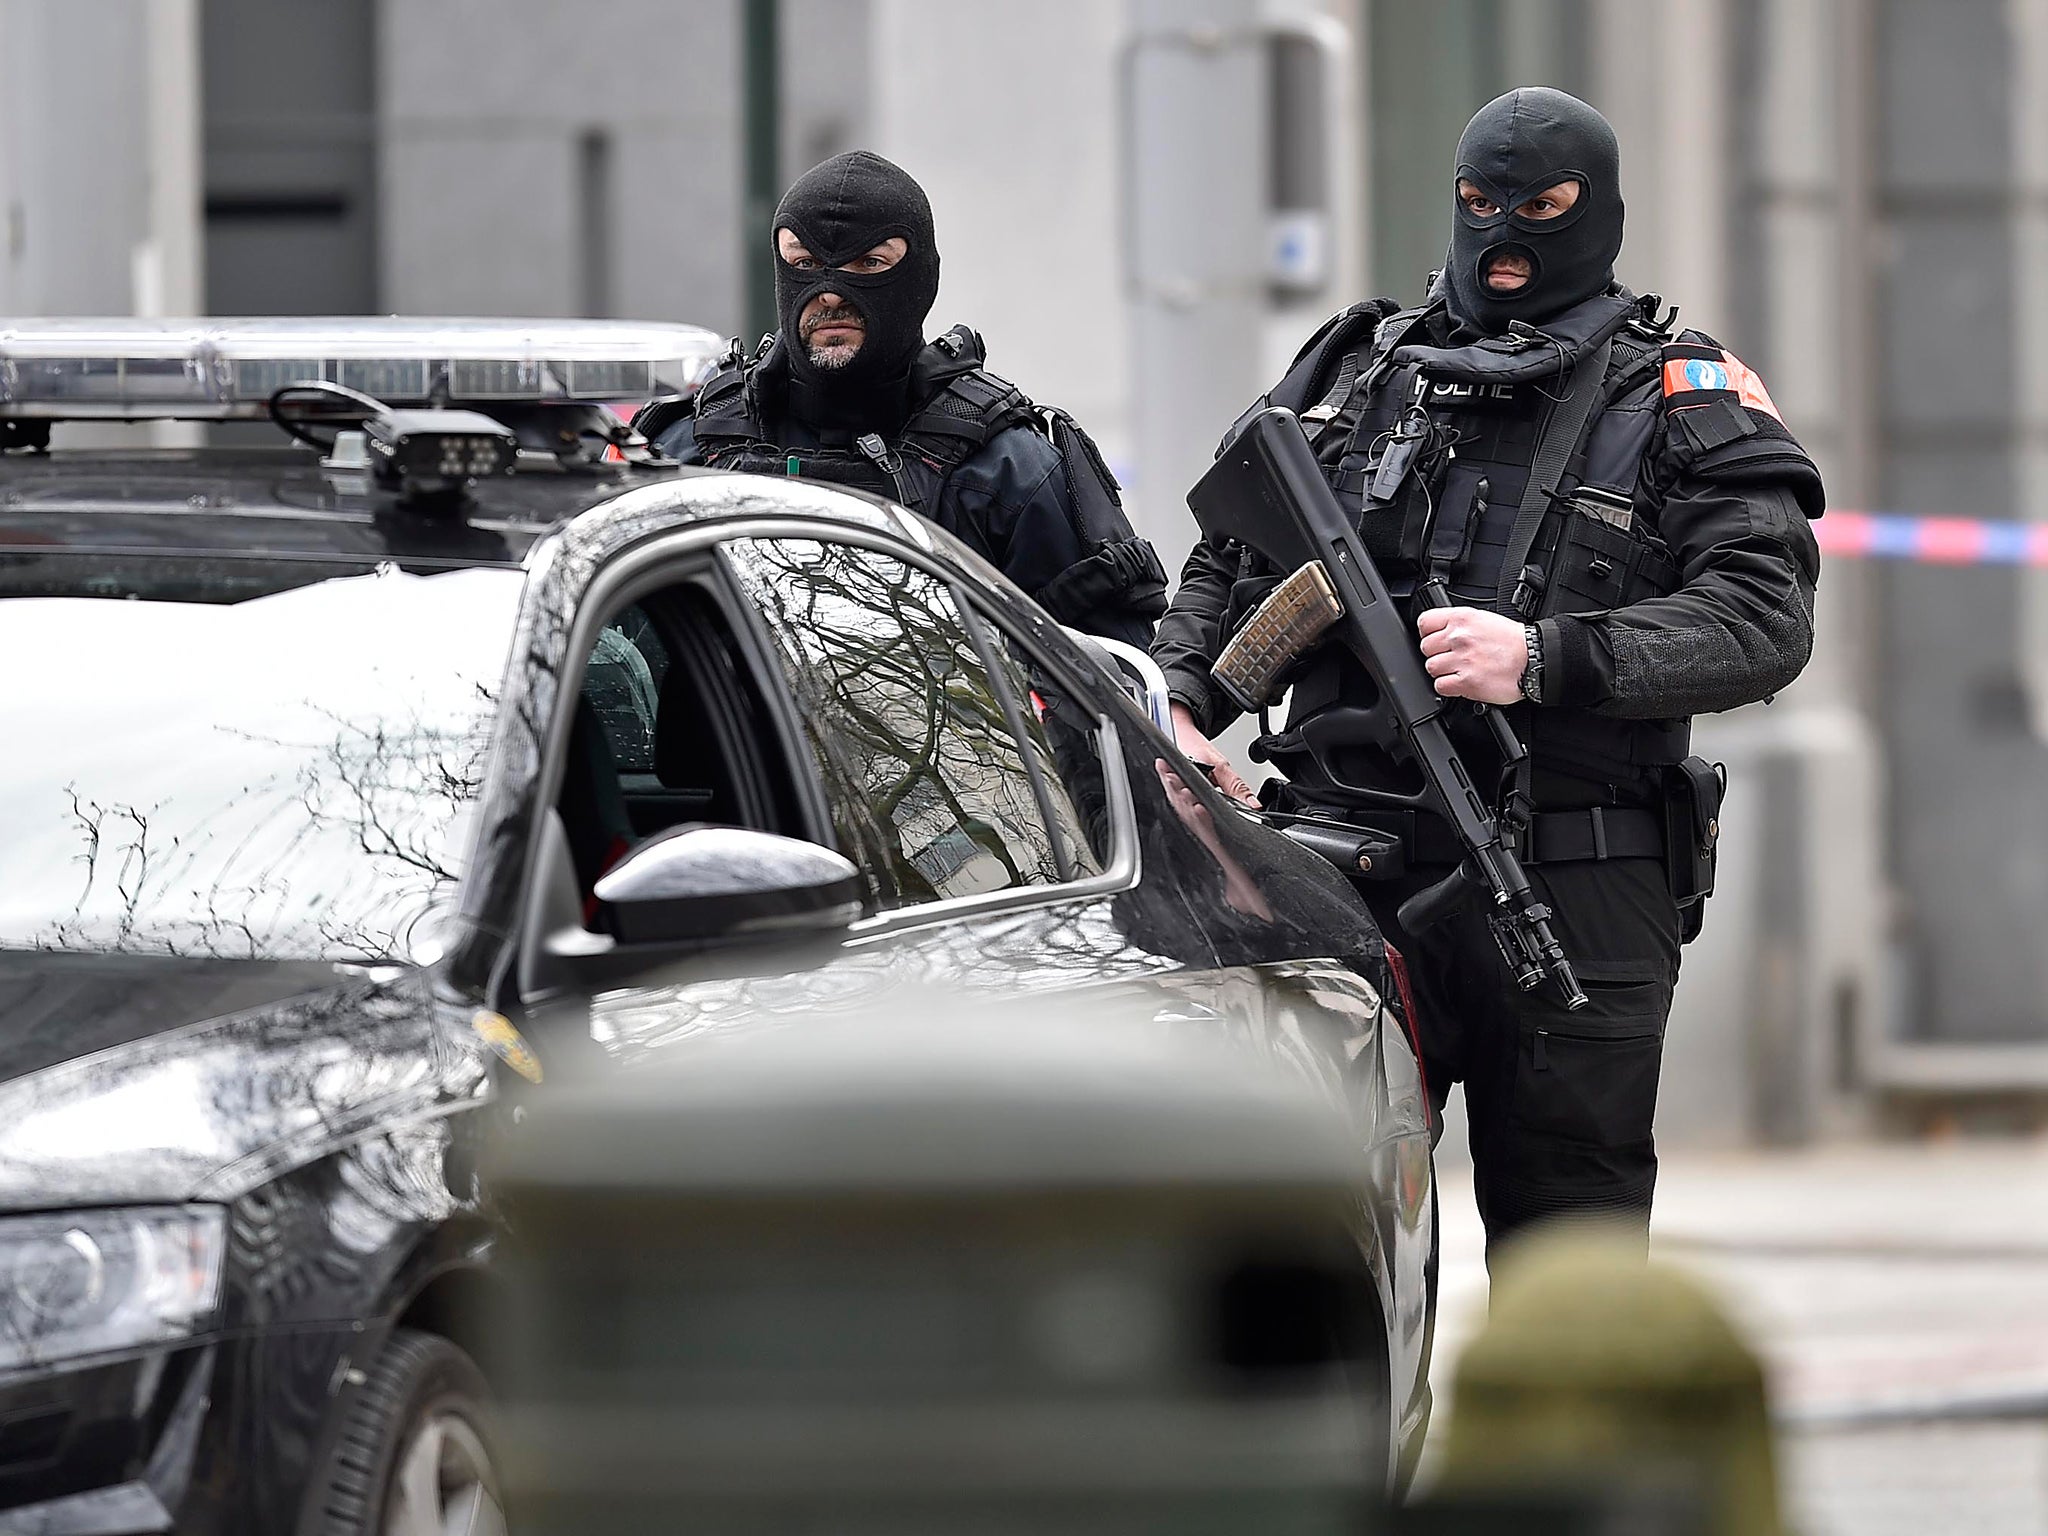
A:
(840, 210)
(1516, 147)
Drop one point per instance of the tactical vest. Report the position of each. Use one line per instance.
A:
(961, 407)
(1594, 547)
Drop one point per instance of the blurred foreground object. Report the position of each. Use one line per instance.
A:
(919, 1275)
(1615, 1388)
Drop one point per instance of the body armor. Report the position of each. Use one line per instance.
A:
(956, 409)
(1455, 511)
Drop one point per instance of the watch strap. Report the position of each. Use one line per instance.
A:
(1532, 670)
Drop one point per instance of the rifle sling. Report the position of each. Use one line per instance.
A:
(1562, 430)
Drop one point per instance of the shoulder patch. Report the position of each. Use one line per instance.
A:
(1701, 375)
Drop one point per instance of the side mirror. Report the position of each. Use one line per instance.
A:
(695, 883)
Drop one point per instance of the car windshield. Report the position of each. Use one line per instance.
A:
(239, 757)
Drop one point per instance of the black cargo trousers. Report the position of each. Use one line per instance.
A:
(1559, 1103)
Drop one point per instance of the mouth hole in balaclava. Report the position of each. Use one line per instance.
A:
(1488, 256)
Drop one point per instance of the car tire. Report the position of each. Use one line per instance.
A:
(413, 1457)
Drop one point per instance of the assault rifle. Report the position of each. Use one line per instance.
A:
(1267, 491)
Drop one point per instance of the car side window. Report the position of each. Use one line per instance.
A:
(668, 727)
(623, 683)
(1060, 732)
(935, 774)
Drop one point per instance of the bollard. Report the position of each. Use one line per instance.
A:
(911, 1275)
(1613, 1388)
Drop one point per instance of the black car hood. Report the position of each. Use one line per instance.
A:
(129, 1079)
(56, 1008)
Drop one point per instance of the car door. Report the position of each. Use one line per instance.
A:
(1201, 918)
(1023, 835)
(940, 782)
(1019, 829)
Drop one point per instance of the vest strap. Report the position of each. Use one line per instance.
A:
(1392, 332)
(967, 407)
(1318, 417)
(1563, 427)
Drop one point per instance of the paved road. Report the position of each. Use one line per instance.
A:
(1900, 1296)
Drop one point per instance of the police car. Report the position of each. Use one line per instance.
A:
(365, 774)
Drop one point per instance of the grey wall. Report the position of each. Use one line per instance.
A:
(290, 99)
(583, 157)
(1969, 804)
(828, 76)
(1429, 68)
(558, 157)
(1009, 120)
(99, 187)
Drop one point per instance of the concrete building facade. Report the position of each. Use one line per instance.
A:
(100, 158)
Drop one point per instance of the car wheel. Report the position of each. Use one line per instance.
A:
(414, 1455)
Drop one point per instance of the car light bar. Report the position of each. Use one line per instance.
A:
(215, 370)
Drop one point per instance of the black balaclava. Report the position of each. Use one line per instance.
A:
(1514, 147)
(841, 210)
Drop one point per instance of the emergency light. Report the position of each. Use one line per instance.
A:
(220, 370)
(430, 451)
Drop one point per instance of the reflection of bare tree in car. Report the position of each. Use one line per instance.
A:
(912, 732)
(389, 791)
(295, 750)
(932, 787)
(1214, 881)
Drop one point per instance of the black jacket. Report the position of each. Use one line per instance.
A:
(1033, 499)
(1727, 491)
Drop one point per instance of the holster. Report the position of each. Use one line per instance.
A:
(1363, 853)
(1692, 809)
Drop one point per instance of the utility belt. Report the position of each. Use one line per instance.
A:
(1387, 845)
(1684, 832)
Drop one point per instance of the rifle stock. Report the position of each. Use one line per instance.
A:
(1266, 491)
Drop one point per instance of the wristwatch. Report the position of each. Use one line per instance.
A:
(1532, 674)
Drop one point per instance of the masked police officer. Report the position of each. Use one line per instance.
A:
(1622, 520)
(848, 390)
